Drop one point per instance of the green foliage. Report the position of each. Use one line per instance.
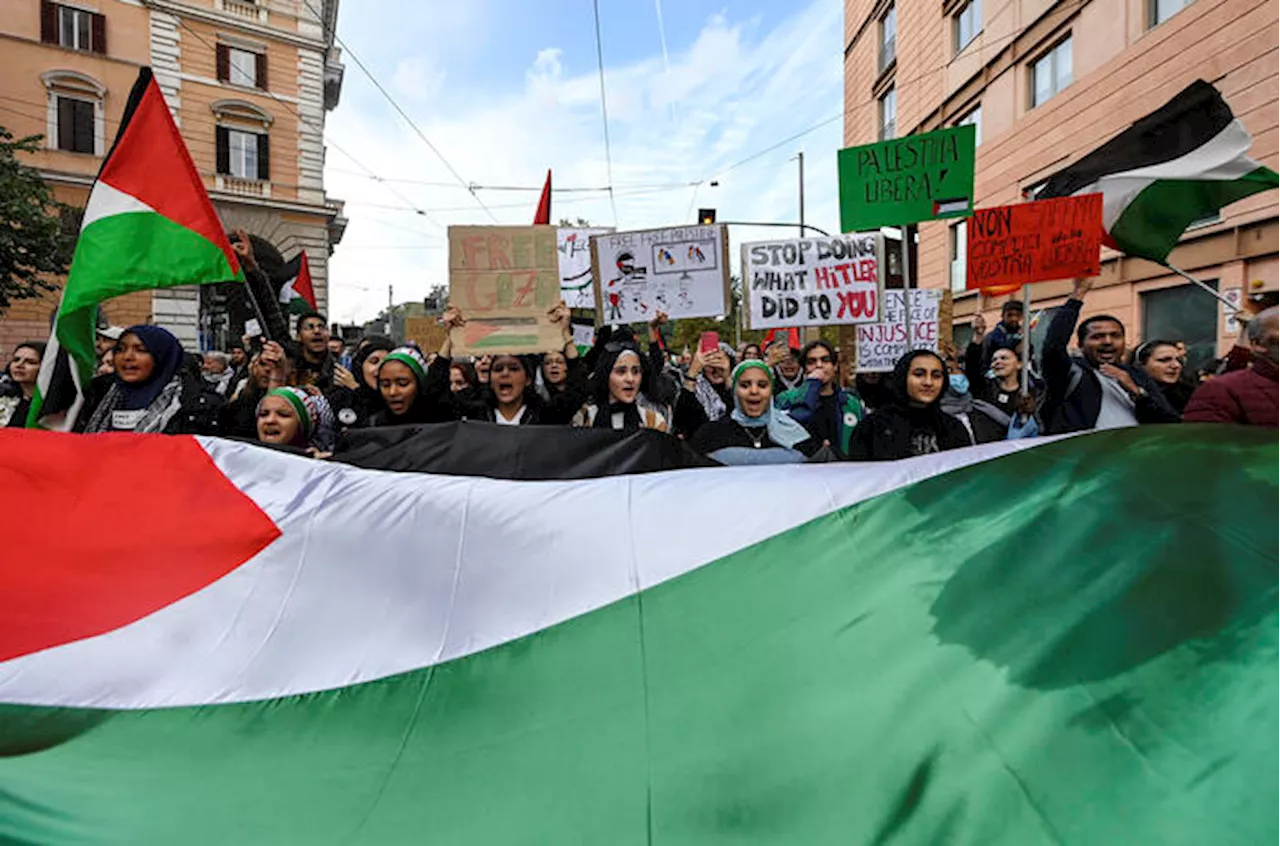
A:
(33, 242)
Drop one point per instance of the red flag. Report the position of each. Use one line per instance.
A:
(543, 215)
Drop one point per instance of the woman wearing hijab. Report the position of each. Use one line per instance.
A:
(24, 367)
(621, 393)
(912, 422)
(754, 432)
(154, 389)
(296, 417)
(1164, 365)
(355, 406)
(411, 389)
(708, 379)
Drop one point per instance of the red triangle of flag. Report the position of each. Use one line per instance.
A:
(302, 284)
(149, 160)
(543, 215)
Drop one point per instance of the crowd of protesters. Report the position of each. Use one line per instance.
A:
(750, 406)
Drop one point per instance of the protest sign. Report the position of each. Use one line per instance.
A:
(880, 345)
(504, 279)
(427, 332)
(683, 272)
(1031, 242)
(907, 180)
(584, 334)
(813, 281)
(574, 246)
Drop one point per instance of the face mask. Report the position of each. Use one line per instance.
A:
(959, 383)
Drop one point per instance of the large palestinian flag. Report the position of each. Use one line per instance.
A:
(1062, 642)
(1181, 163)
(148, 224)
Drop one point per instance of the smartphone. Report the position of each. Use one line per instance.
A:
(709, 342)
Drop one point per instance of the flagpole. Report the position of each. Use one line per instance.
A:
(1235, 309)
(1026, 339)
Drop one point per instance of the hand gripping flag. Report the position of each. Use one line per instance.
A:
(148, 224)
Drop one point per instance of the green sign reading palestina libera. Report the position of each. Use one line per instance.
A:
(907, 180)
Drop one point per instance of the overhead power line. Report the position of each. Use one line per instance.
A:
(355, 57)
(604, 112)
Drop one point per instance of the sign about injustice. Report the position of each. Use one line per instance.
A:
(907, 180)
(1032, 242)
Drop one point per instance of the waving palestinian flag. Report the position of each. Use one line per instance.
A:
(297, 295)
(148, 224)
(1181, 163)
(1063, 642)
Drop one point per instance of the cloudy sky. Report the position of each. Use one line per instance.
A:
(505, 89)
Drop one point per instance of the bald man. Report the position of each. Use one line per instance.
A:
(1248, 396)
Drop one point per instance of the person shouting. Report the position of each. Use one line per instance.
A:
(296, 417)
(154, 389)
(914, 422)
(754, 432)
(1096, 390)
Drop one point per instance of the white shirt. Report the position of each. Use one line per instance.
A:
(1117, 409)
(514, 421)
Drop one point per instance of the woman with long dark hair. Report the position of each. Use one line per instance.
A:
(24, 367)
(913, 422)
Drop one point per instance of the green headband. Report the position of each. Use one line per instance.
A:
(746, 365)
(407, 360)
(304, 415)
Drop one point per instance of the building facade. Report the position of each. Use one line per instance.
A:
(1046, 82)
(249, 83)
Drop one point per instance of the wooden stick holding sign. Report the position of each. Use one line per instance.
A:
(505, 279)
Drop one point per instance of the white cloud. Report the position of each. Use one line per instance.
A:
(732, 92)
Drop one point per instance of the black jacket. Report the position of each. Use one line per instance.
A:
(887, 435)
(1072, 403)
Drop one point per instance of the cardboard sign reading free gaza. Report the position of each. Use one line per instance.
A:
(505, 279)
(813, 281)
(907, 180)
(1031, 242)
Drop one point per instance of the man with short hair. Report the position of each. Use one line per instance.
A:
(315, 364)
(216, 367)
(1006, 335)
(1247, 396)
(826, 410)
(1096, 390)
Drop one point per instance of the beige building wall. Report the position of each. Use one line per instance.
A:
(178, 39)
(1123, 68)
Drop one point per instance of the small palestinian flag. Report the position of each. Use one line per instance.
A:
(297, 295)
(1181, 163)
(148, 224)
(1027, 642)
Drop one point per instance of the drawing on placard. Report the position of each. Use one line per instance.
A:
(678, 271)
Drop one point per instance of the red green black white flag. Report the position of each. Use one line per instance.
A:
(148, 224)
(1181, 163)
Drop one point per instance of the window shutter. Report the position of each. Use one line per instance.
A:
(223, 144)
(264, 157)
(98, 38)
(83, 126)
(224, 63)
(66, 124)
(48, 22)
(262, 71)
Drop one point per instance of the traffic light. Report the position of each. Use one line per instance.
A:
(706, 217)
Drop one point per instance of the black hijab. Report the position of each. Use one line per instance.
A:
(368, 401)
(605, 405)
